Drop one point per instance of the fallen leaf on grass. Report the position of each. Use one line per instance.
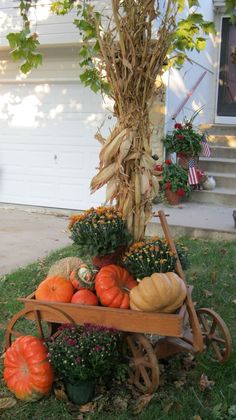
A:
(197, 417)
(142, 402)
(87, 408)
(7, 402)
(205, 383)
(207, 293)
(179, 384)
(188, 361)
(224, 251)
(214, 276)
(59, 391)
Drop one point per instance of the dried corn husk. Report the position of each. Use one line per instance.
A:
(145, 182)
(124, 150)
(137, 190)
(103, 176)
(111, 190)
(110, 149)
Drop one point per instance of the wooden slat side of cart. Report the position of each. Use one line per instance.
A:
(122, 319)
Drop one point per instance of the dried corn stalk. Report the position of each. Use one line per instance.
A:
(132, 60)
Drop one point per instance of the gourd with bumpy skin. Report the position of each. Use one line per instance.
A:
(83, 278)
(65, 266)
(113, 284)
(27, 371)
(55, 289)
(161, 292)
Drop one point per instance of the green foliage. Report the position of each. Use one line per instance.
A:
(175, 178)
(184, 139)
(83, 352)
(99, 231)
(24, 44)
(231, 9)
(152, 256)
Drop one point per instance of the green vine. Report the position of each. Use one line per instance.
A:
(24, 44)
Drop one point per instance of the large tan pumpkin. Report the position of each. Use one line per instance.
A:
(161, 292)
(64, 267)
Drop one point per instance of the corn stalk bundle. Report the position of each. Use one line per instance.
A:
(131, 61)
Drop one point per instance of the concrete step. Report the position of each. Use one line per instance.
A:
(223, 129)
(217, 165)
(223, 152)
(218, 196)
(224, 180)
(220, 134)
(195, 220)
(222, 140)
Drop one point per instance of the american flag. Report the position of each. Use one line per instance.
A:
(192, 173)
(205, 146)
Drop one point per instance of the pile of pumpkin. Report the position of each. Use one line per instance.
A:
(71, 280)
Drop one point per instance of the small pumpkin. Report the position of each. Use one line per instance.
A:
(64, 267)
(161, 292)
(83, 277)
(27, 371)
(84, 297)
(55, 289)
(113, 284)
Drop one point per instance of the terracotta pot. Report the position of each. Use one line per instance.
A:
(172, 197)
(101, 260)
(183, 160)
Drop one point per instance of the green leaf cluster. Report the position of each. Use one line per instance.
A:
(153, 255)
(24, 45)
(97, 234)
(184, 139)
(175, 178)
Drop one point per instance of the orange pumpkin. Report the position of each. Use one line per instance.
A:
(84, 297)
(27, 372)
(55, 289)
(112, 284)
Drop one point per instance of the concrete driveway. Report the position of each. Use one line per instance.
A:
(26, 235)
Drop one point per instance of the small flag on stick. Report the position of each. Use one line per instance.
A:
(206, 151)
(192, 173)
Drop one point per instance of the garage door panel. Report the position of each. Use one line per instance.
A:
(48, 153)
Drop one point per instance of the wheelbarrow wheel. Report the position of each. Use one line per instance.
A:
(216, 335)
(143, 365)
(30, 322)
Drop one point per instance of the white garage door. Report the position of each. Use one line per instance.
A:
(48, 153)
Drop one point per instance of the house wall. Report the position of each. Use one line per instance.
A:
(52, 29)
(181, 83)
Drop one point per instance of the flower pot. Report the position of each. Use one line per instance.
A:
(80, 392)
(101, 260)
(172, 197)
(183, 160)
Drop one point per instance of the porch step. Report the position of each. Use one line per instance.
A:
(224, 180)
(220, 134)
(217, 164)
(223, 152)
(218, 196)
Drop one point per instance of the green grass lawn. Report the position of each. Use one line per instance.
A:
(213, 275)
